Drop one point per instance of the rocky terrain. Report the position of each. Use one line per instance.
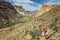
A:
(8, 13)
(48, 17)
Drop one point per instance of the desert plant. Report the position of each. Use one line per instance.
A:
(30, 32)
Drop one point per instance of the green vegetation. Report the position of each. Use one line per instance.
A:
(22, 21)
(30, 32)
(40, 29)
(27, 18)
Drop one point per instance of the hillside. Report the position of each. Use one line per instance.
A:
(50, 19)
(33, 29)
(8, 14)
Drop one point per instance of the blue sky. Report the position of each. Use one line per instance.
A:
(32, 5)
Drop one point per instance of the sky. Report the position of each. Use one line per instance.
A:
(32, 5)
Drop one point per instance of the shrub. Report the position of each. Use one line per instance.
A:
(27, 18)
(30, 32)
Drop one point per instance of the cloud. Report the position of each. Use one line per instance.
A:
(40, 1)
(27, 4)
(30, 7)
(32, 4)
(22, 2)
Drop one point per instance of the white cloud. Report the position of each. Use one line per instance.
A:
(30, 5)
(22, 2)
(27, 4)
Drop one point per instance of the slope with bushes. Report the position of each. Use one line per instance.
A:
(33, 29)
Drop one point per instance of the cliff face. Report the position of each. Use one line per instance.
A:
(8, 13)
(46, 8)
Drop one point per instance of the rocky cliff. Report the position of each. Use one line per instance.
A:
(8, 13)
(45, 8)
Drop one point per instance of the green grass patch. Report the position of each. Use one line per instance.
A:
(27, 18)
(30, 32)
(22, 21)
